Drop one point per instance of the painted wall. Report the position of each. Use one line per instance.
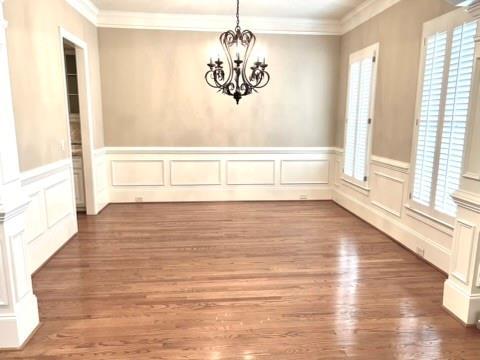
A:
(37, 74)
(399, 32)
(154, 93)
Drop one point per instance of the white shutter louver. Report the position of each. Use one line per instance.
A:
(353, 86)
(363, 115)
(443, 116)
(360, 95)
(456, 116)
(433, 74)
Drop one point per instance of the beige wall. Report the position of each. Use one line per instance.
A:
(399, 32)
(37, 77)
(154, 93)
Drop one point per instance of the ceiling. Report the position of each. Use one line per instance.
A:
(311, 9)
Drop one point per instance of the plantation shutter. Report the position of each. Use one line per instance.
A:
(433, 75)
(360, 96)
(443, 116)
(354, 85)
(456, 116)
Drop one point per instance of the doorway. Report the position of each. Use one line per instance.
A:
(73, 102)
(79, 120)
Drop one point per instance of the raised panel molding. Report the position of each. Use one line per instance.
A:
(22, 277)
(387, 193)
(3, 278)
(304, 172)
(250, 172)
(138, 173)
(195, 172)
(36, 216)
(226, 174)
(463, 242)
(58, 207)
(50, 217)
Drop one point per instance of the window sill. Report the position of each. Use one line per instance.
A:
(364, 189)
(429, 220)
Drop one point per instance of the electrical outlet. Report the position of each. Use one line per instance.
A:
(139, 199)
(420, 251)
(303, 197)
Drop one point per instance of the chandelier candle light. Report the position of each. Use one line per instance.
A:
(237, 83)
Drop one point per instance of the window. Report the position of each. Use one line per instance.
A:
(360, 100)
(442, 113)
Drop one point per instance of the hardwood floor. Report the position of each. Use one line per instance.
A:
(268, 280)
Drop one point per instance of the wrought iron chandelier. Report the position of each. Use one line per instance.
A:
(234, 81)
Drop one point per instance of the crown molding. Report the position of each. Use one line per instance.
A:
(215, 23)
(474, 9)
(364, 12)
(86, 8)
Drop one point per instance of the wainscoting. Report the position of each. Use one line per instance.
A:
(219, 174)
(383, 204)
(125, 175)
(51, 215)
(101, 186)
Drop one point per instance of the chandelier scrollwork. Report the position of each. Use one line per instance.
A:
(234, 79)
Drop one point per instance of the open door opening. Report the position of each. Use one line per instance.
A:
(73, 100)
(79, 119)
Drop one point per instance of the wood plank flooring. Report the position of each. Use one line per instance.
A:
(266, 280)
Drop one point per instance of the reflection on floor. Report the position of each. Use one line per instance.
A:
(266, 280)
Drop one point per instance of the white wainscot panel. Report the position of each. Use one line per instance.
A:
(20, 268)
(195, 172)
(3, 281)
(387, 193)
(137, 173)
(36, 217)
(102, 182)
(304, 172)
(464, 238)
(58, 200)
(251, 172)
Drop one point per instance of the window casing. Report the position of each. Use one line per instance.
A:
(443, 98)
(359, 114)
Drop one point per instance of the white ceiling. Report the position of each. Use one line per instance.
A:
(311, 9)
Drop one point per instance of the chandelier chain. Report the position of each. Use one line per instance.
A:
(238, 13)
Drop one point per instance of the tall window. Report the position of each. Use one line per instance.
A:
(361, 93)
(442, 114)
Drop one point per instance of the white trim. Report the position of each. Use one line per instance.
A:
(86, 8)
(467, 200)
(429, 220)
(371, 51)
(268, 25)
(472, 176)
(43, 171)
(216, 23)
(364, 12)
(392, 164)
(86, 115)
(218, 150)
(395, 228)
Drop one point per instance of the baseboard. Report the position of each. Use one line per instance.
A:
(17, 329)
(406, 236)
(463, 306)
(200, 195)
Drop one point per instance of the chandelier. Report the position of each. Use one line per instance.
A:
(234, 81)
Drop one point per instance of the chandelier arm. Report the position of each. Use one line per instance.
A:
(227, 40)
(265, 75)
(250, 40)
